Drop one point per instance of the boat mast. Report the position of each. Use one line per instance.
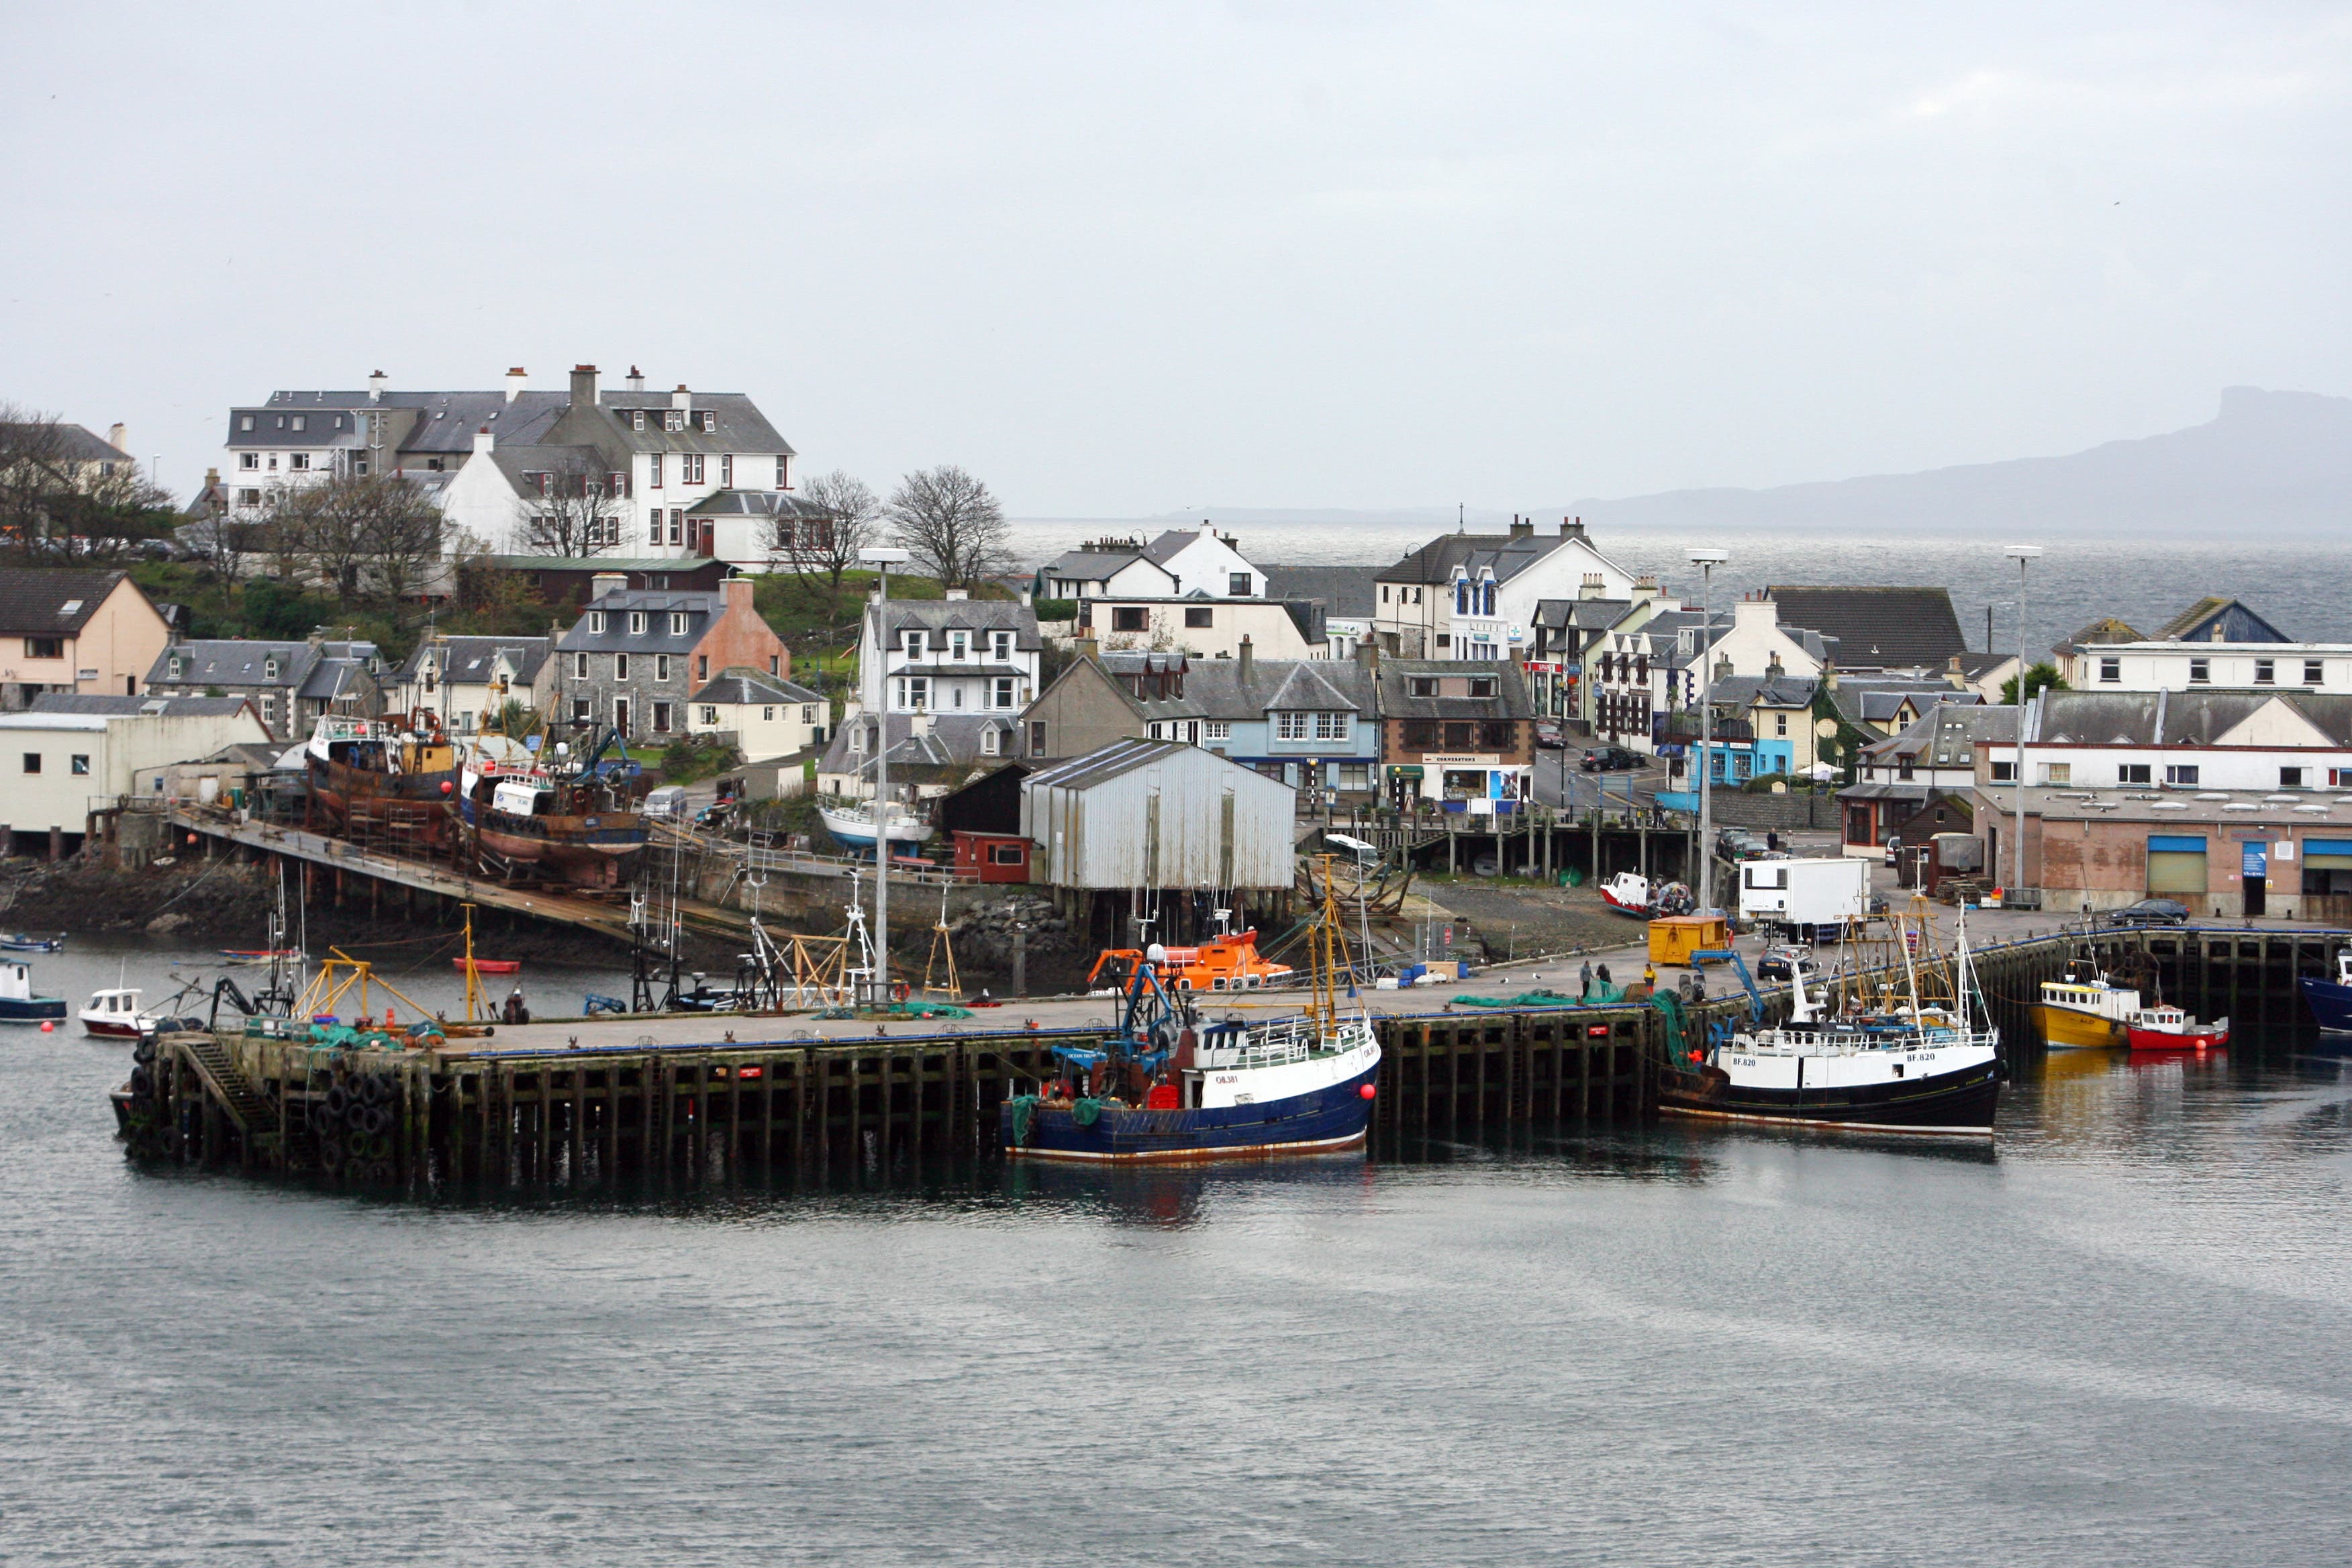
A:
(1327, 947)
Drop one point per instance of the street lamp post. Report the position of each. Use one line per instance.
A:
(2021, 554)
(1706, 561)
(882, 558)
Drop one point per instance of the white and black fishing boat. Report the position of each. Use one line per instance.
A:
(1911, 1067)
(1166, 1086)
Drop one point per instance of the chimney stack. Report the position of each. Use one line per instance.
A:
(583, 387)
(1571, 528)
(483, 441)
(682, 399)
(119, 437)
(956, 594)
(1249, 658)
(637, 379)
(515, 376)
(376, 385)
(604, 583)
(1522, 527)
(1088, 648)
(1953, 677)
(737, 592)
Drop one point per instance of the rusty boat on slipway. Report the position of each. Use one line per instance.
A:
(395, 776)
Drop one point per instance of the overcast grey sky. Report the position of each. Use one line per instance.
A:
(1118, 259)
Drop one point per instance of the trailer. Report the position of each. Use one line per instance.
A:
(1812, 899)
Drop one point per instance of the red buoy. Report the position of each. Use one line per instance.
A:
(446, 787)
(1366, 1090)
(48, 1027)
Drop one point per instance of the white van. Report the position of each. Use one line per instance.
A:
(667, 802)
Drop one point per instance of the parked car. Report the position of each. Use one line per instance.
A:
(1609, 759)
(1782, 960)
(1550, 735)
(2150, 912)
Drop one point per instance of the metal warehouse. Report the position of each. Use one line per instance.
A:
(1157, 815)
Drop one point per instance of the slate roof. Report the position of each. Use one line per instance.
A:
(952, 745)
(1213, 689)
(1350, 593)
(2175, 718)
(2105, 629)
(34, 603)
(956, 615)
(1877, 628)
(447, 420)
(131, 707)
(758, 503)
(1092, 565)
(699, 607)
(239, 661)
(1947, 735)
(76, 444)
(738, 688)
(467, 660)
(1746, 690)
(1510, 700)
(742, 428)
(2236, 623)
(1474, 553)
(1877, 702)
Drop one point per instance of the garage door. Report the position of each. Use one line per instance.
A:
(2176, 864)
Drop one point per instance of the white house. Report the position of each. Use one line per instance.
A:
(68, 754)
(767, 717)
(2179, 740)
(463, 680)
(1202, 560)
(659, 466)
(1471, 595)
(1106, 567)
(1203, 628)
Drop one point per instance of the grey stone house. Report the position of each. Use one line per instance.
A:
(290, 683)
(637, 655)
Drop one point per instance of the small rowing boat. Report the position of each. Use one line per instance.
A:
(488, 965)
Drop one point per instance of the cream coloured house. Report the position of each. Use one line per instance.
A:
(94, 632)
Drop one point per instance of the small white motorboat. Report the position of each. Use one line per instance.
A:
(115, 1012)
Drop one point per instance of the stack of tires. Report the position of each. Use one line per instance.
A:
(353, 1124)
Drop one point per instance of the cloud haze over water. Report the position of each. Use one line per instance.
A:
(1126, 261)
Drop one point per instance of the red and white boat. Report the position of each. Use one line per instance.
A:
(1627, 892)
(115, 1012)
(2170, 1029)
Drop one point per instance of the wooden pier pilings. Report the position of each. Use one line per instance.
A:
(725, 1111)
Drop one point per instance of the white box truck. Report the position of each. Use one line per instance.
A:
(1810, 898)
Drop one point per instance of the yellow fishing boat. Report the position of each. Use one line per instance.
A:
(2086, 1014)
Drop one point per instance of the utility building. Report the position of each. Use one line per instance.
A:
(1154, 815)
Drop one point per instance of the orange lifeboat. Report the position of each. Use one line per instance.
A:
(1222, 964)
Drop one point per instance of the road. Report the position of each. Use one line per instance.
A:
(1559, 782)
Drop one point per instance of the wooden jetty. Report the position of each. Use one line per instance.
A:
(379, 1113)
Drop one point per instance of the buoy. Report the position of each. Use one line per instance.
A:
(48, 1027)
(192, 839)
(446, 787)
(1366, 1090)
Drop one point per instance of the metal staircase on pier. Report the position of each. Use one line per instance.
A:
(255, 1118)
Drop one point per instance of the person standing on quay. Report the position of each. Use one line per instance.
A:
(1586, 994)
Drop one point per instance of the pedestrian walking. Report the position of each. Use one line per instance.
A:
(1586, 994)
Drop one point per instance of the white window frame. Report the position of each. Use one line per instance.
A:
(661, 667)
(916, 645)
(596, 622)
(1003, 692)
(579, 667)
(637, 623)
(1331, 726)
(915, 693)
(1290, 726)
(677, 623)
(1221, 730)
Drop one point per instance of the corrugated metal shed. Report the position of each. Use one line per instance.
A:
(1158, 813)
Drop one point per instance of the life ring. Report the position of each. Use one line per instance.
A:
(901, 990)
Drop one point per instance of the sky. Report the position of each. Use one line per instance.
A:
(1120, 260)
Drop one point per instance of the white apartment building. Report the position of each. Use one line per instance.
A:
(2179, 740)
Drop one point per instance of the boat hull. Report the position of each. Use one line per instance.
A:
(1959, 1104)
(32, 1009)
(1332, 1117)
(585, 851)
(859, 833)
(2178, 1039)
(417, 802)
(2065, 1029)
(110, 1028)
(2330, 1003)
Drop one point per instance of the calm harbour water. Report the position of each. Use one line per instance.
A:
(2122, 1336)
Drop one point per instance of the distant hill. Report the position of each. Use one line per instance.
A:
(2268, 461)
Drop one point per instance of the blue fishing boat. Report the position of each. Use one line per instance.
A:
(1167, 1086)
(20, 942)
(17, 1003)
(2330, 1001)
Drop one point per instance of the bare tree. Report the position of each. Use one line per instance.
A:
(357, 534)
(828, 547)
(406, 533)
(949, 523)
(56, 499)
(571, 512)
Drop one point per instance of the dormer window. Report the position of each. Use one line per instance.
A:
(959, 645)
(1481, 686)
(677, 623)
(674, 419)
(1421, 686)
(637, 623)
(244, 421)
(179, 667)
(1000, 647)
(710, 422)
(636, 418)
(916, 643)
(596, 622)
(269, 668)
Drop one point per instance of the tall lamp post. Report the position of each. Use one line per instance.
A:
(882, 558)
(2021, 554)
(1706, 561)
